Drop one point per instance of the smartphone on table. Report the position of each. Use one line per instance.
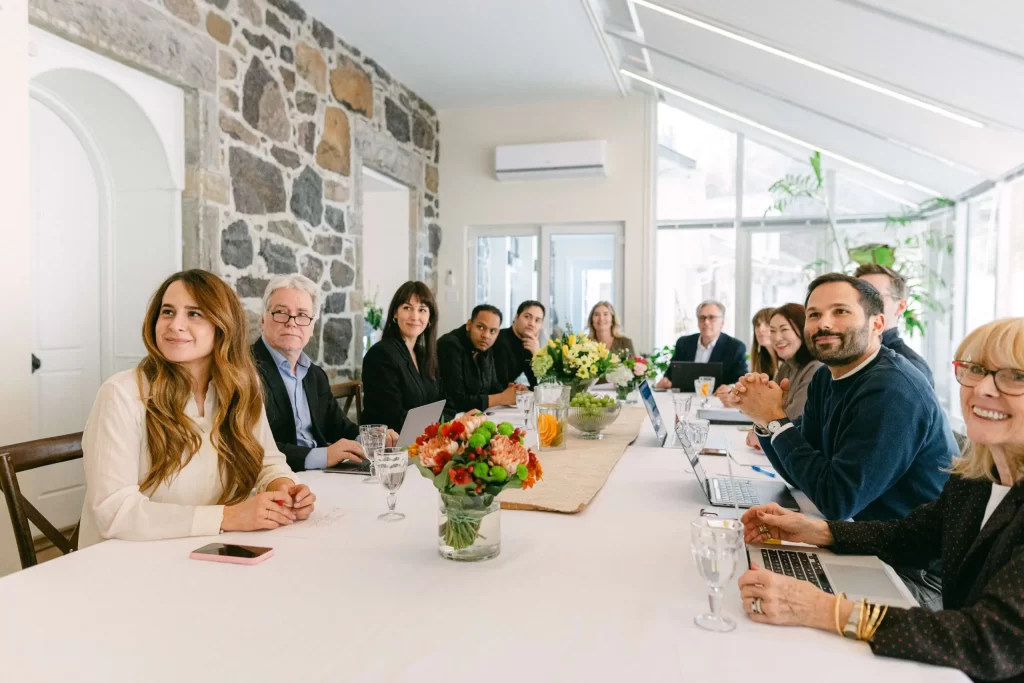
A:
(235, 554)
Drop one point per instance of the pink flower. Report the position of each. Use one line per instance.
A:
(437, 451)
(508, 453)
(472, 422)
(640, 369)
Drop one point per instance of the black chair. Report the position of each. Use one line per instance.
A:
(21, 457)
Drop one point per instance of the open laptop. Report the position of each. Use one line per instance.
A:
(416, 421)
(684, 373)
(736, 492)
(859, 576)
(716, 444)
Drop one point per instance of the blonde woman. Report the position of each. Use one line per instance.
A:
(976, 527)
(603, 326)
(176, 446)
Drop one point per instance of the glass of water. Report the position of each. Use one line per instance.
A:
(391, 464)
(373, 438)
(681, 403)
(717, 547)
(696, 434)
(524, 402)
(705, 388)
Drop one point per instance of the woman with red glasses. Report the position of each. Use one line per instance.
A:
(976, 527)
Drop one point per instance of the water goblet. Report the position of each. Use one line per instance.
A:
(717, 547)
(373, 438)
(391, 463)
(681, 403)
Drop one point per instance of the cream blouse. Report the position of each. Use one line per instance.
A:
(117, 460)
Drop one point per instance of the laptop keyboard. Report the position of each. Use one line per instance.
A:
(799, 565)
(743, 493)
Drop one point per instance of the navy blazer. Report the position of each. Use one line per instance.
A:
(729, 351)
(329, 423)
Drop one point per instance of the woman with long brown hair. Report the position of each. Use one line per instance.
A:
(400, 371)
(762, 354)
(176, 446)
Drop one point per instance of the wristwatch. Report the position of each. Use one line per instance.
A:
(850, 630)
(772, 427)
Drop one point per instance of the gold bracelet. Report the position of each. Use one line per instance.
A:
(869, 614)
(839, 600)
(863, 617)
(878, 622)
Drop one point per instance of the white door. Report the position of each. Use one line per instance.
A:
(66, 303)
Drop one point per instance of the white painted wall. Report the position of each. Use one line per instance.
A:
(386, 236)
(470, 195)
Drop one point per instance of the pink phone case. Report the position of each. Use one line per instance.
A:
(232, 560)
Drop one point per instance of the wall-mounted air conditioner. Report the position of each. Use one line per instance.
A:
(581, 159)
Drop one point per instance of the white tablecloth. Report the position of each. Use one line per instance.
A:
(606, 595)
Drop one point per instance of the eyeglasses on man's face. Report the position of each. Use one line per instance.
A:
(707, 318)
(1008, 381)
(302, 320)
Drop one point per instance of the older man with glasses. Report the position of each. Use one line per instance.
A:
(307, 422)
(711, 345)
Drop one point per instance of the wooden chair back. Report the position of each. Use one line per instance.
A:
(30, 455)
(352, 392)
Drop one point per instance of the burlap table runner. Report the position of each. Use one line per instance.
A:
(572, 477)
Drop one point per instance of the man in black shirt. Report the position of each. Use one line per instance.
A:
(517, 343)
(467, 364)
(893, 288)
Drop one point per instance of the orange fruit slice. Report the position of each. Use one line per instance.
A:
(547, 428)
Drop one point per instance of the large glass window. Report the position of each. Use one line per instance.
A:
(982, 257)
(696, 168)
(762, 168)
(693, 265)
(782, 263)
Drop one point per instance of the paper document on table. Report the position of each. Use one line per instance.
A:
(743, 454)
(319, 523)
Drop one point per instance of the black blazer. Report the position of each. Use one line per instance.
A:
(729, 351)
(468, 381)
(511, 359)
(392, 386)
(329, 424)
(980, 629)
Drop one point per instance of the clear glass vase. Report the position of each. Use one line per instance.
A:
(468, 528)
(552, 406)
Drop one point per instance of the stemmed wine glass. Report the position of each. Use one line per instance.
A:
(391, 464)
(717, 547)
(373, 438)
(696, 431)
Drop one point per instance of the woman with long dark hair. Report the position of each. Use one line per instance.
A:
(762, 353)
(176, 446)
(400, 371)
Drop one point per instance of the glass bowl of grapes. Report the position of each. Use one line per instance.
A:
(590, 414)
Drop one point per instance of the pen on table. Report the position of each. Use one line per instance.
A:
(762, 470)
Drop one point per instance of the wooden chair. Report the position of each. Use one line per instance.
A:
(351, 392)
(21, 457)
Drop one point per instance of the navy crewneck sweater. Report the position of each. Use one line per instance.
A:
(871, 446)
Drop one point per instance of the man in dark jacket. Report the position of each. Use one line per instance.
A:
(517, 343)
(711, 345)
(307, 422)
(467, 365)
(893, 288)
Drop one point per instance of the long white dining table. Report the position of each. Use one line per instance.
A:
(608, 594)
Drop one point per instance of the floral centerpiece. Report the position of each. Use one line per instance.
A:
(630, 373)
(471, 460)
(575, 360)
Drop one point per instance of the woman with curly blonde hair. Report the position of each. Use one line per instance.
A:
(176, 446)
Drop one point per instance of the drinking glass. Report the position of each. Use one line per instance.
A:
(705, 388)
(373, 438)
(681, 403)
(391, 464)
(717, 547)
(524, 402)
(696, 432)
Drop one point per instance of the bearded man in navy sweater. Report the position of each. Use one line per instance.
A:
(873, 442)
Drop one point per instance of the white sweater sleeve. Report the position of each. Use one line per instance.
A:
(111, 446)
(275, 465)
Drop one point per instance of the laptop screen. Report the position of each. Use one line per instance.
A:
(652, 412)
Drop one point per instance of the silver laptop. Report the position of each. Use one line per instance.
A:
(736, 492)
(716, 443)
(416, 421)
(859, 576)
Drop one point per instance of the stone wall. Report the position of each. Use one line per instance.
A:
(281, 115)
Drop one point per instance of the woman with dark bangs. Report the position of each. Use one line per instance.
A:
(176, 446)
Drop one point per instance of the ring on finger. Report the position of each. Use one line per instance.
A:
(764, 530)
(755, 606)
